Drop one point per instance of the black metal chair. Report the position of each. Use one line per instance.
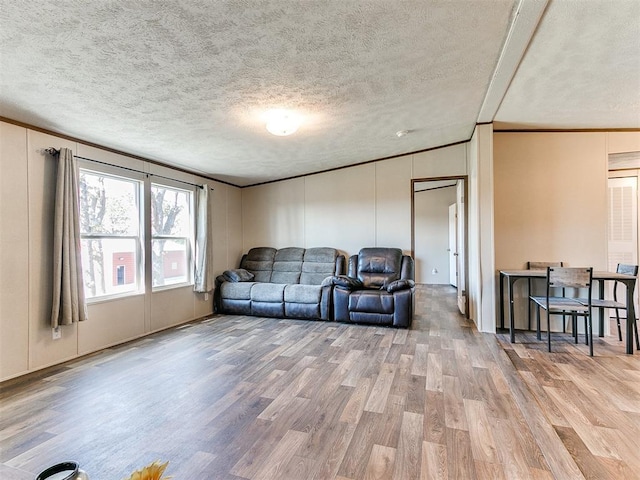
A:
(532, 284)
(567, 278)
(615, 304)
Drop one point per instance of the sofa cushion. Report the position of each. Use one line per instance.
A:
(302, 293)
(318, 264)
(268, 292)
(237, 291)
(259, 261)
(287, 265)
(371, 301)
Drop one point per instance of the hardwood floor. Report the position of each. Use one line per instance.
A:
(237, 397)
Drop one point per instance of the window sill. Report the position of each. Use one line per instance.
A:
(174, 286)
(111, 298)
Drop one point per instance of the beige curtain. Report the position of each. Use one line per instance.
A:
(204, 246)
(68, 288)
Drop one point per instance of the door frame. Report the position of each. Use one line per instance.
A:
(465, 179)
(453, 254)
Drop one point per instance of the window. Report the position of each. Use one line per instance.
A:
(110, 232)
(171, 235)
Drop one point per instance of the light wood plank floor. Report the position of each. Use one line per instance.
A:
(237, 397)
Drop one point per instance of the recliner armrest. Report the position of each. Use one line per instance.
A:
(407, 271)
(344, 282)
(399, 285)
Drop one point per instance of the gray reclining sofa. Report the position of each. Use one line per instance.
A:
(284, 283)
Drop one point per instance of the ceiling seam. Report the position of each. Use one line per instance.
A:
(523, 27)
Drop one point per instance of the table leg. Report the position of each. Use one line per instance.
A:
(631, 314)
(501, 301)
(512, 336)
(601, 310)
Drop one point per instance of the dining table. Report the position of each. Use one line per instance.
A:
(510, 277)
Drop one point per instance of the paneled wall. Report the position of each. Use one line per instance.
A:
(350, 208)
(27, 178)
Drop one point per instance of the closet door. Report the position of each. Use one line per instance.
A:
(623, 221)
(623, 225)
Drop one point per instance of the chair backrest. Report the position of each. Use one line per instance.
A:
(379, 265)
(627, 270)
(569, 277)
(542, 265)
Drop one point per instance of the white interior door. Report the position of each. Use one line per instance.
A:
(462, 294)
(453, 245)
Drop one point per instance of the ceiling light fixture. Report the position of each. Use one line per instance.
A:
(282, 122)
(402, 133)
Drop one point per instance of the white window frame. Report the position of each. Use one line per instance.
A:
(138, 179)
(189, 240)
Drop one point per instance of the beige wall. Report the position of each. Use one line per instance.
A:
(548, 191)
(550, 201)
(14, 251)
(622, 142)
(26, 211)
(361, 206)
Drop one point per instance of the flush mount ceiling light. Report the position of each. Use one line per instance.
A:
(282, 122)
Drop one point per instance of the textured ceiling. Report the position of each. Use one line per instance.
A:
(187, 82)
(582, 69)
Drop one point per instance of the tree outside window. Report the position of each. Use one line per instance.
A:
(171, 235)
(110, 233)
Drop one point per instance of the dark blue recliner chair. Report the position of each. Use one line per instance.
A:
(378, 289)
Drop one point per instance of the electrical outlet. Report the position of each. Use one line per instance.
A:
(206, 296)
(56, 333)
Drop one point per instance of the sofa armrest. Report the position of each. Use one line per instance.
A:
(398, 285)
(352, 266)
(340, 265)
(238, 275)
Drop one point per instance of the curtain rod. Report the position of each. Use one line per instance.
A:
(55, 151)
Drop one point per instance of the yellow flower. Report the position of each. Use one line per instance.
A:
(151, 472)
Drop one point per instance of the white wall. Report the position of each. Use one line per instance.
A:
(431, 210)
(27, 178)
(481, 265)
